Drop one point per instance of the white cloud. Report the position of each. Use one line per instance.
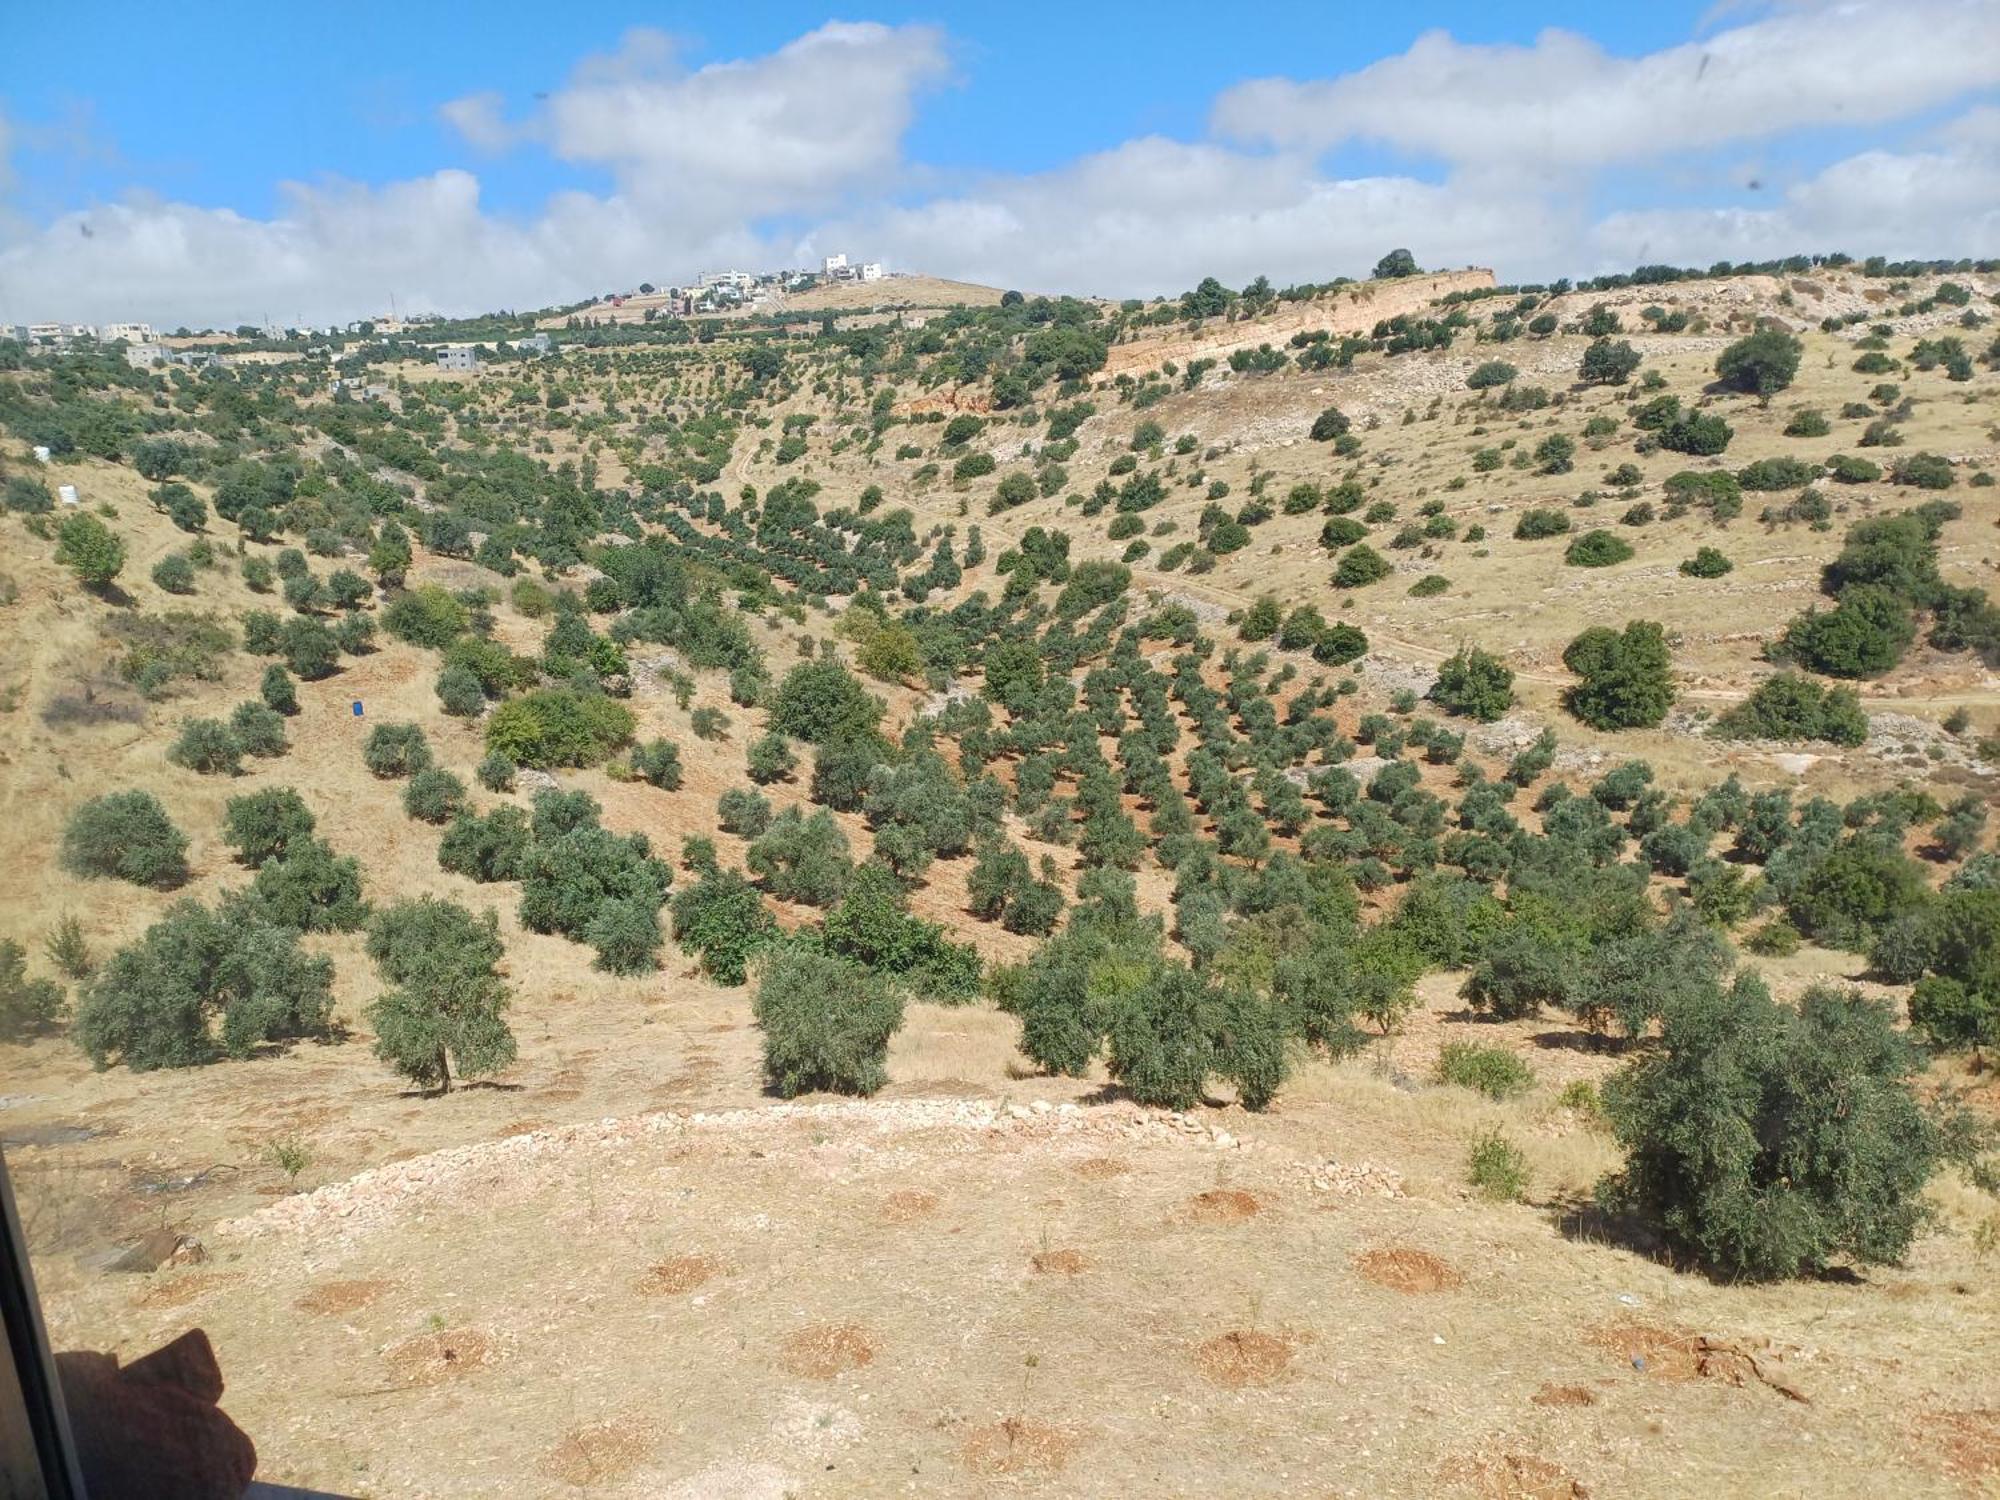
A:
(478, 118)
(1566, 103)
(813, 132)
(1155, 215)
(823, 114)
(1915, 205)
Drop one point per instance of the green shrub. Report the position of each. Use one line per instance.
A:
(802, 859)
(310, 889)
(459, 693)
(1707, 562)
(1853, 892)
(28, 1007)
(1430, 586)
(1863, 635)
(88, 548)
(1791, 707)
(1926, 471)
(826, 1023)
(1608, 363)
(1597, 549)
(265, 825)
(821, 702)
(1490, 373)
(1540, 522)
(559, 727)
(1492, 1071)
(1474, 683)
(125, 836)
(201, 984)
(1776, 474)
(1330, 425)
(1698, 434)
(743, 811)
(1496, 1168)
(393, 750)
(279, 692)
(426, 616)
(1358, 566)
(447, 1005)
(659, 762)
(1761, 364)
(1555, 454)
(486, 849)
(496, 772)
(258, 730)
(310, 650)
(723, 920)
(1627, 676)
(434, 795)
(69, 949)
(1849, 470)
(770, 758)
(1765, 1141)
(1169, 1034)
(1520, 972)
(626, 935)
(174, 573)
(207, 746)
(872, 926)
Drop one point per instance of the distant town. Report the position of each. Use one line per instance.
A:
(710, 294)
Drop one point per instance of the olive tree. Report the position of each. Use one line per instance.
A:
(447, 1005)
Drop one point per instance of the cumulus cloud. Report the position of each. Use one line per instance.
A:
(1567, 103)
(1914, 204)
(1155, 215)
(812, 135)
(820, 116)
(478, 118)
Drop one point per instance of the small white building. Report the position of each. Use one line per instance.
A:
(132, 333)
(459, 359)
(67, 494)
(535, 343)
(871, 270)
(833, 265)
(141, 356)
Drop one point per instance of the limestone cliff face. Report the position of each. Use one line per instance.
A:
(1353, 309)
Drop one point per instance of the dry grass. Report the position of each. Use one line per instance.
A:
(1106, 1256)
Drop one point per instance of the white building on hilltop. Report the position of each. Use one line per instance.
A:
(132, 333)
(871, 270)
(833, 265)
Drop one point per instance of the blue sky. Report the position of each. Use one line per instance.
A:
(967, 123)
(298, 92)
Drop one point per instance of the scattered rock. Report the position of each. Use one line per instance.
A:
(1353, 1179)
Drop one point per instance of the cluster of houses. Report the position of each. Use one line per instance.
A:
(726, 291)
